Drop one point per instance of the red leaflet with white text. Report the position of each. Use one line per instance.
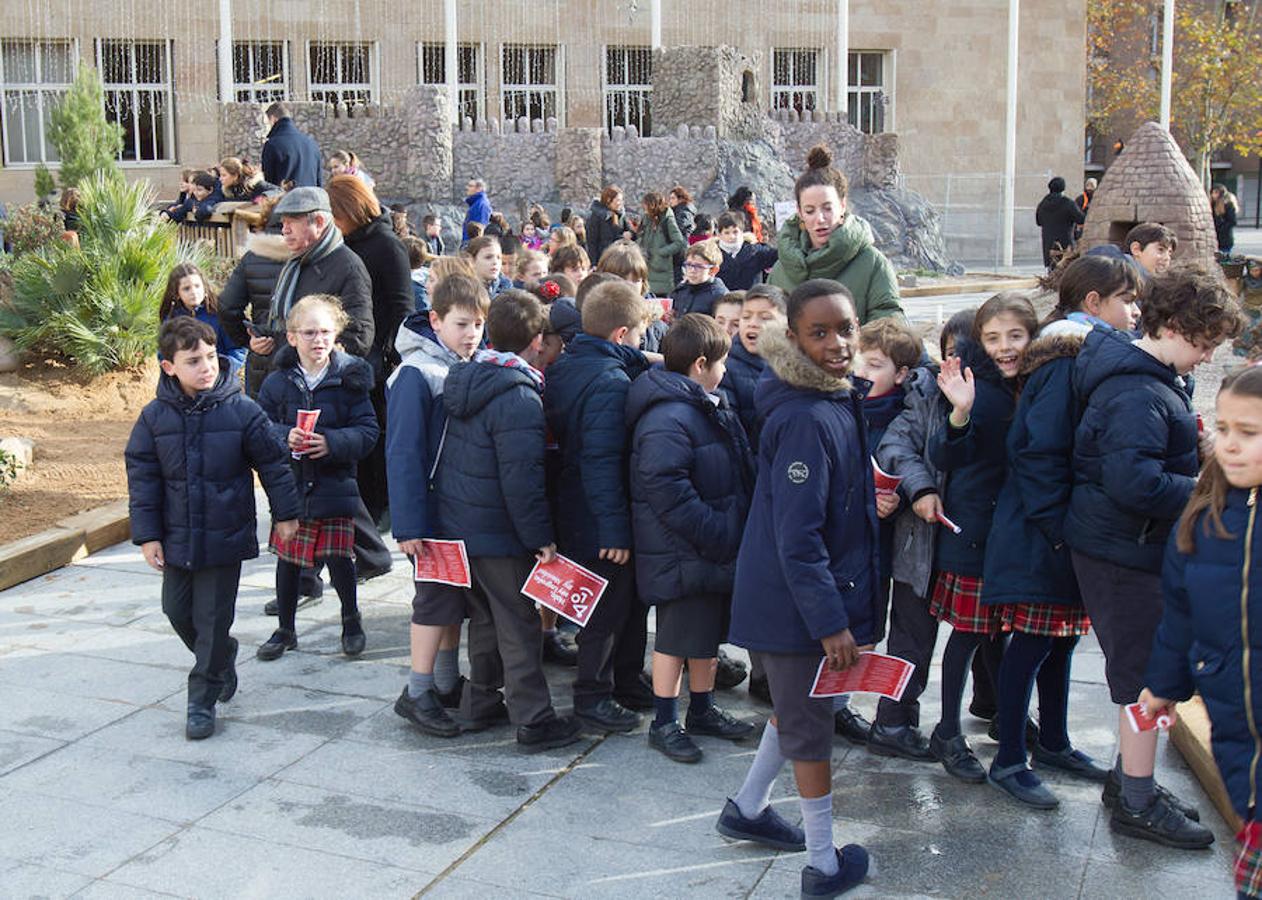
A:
(566, 588)
(885, 482)
(1140, 721)
(874, 673)
(444, 562)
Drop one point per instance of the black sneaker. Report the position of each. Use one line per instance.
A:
(229, 689)
(451, 699)
(674, 742)
(1111, 797)
(426, 713)
(715, 722)
(729, 673)
(852, 726)
(759, 690)
(957, 758)
(200, 723)
(556, 649)
(902, 741)
(274, 647)
(559, 731)
(1161, 823)
(768, 828)
(272, 607)
(852, 868)
(608, 715)
(638, 695)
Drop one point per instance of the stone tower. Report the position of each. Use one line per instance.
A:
(1152, 182)
(717, 86)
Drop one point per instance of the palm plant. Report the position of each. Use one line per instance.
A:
(96, 305)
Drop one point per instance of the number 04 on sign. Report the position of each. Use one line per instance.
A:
(566, 588)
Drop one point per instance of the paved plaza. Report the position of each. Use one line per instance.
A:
(313, 787)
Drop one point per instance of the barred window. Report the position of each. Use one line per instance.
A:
(530, 81)
(260, 71)
(137, 80)
(34, 76)
(629, 88)
(340, 72)
(432, 66)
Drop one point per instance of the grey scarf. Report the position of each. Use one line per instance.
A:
(287, 282)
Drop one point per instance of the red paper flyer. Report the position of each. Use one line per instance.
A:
(942, 519)
(1140, 721)
(874, 673)
(306, 422)
(885, 482)
(444, 562)
(566, 588)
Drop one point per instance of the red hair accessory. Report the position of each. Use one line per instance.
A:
(550, 290)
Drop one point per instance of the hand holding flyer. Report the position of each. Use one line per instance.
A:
(566, 588)
(874, 673)
(306, 422)
(885, 482)
(1140, 721)
(443, 562)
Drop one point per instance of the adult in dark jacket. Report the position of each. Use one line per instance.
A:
(685, 213)
(691, 479)
(1224, 207)
(247, 297)
(291, 157)
(479, 211)
(696, 298)
(1057, 215)
(606, 222)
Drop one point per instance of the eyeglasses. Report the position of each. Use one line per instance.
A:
(310, 334)
(697, 267)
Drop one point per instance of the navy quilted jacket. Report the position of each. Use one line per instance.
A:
(697, 298)
(738, 384)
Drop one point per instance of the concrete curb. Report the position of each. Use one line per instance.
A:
(68, 540)
(970, 287)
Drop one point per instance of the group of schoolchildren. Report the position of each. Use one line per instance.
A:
(724, 478)
(201, 190)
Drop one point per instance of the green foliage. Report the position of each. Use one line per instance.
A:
(97, 304)
(32, 226)
(9, 469)
(44, 184)
(87, 142)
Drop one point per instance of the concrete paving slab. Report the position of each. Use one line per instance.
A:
(1126, 882)
(19, 749)
(289, 708)
(19, 879)
(456, 888)
(60, 716)
(104, 889)
(107, 598)
(86, 676)
(309, 669)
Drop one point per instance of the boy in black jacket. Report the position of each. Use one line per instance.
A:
(492, 494)
(586, 410)
(192, 502)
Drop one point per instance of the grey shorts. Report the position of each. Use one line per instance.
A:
(437, 604)
(805, 723)
(1125, 607)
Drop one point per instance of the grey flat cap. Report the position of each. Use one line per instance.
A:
(302, 200)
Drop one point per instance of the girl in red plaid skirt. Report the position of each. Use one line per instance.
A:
(979, 385)
(312, 376)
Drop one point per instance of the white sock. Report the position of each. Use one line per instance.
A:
(817, 822)
(755, 793)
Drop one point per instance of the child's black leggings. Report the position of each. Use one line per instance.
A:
(956, 660)
(1030, 657)
(341, 574)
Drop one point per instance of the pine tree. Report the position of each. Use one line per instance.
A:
(44, 184)
(87, 142)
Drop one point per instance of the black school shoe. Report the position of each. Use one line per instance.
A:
(983, 712)
(729, 673)
(1031, 731)
(852, 868)
(1161, 823)
(1075, 762)
(229, 689)
(200, 723)
(902, 741)
(1111, 797)
(768, 828)
(1036, 795)
(853, 727)
(559, 731)
(353, 639)
(426, 713)
(716, 722)
(274, 647)
(638, 695)
(673, 742)
(497, 716)
(451, 699)
(759, 690)
(557, 649)
(272, 607)
(608, 714)
(957, 758)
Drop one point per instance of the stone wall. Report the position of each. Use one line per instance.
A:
(709, 86)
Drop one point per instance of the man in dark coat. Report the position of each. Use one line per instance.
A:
(1057, 215)
(290, 155)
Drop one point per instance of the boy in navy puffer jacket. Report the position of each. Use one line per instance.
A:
(691, 479)
(192, 502)
(700, 289)
(492, 494)
(585, 405)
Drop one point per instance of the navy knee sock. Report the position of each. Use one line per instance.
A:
(667, 710)
(287, 575)
(342, 576)
(956, 659)
(1053, 681)
(1020, 664)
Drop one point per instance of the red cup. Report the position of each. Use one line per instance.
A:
(306, 422)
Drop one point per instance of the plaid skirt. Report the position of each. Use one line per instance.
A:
(1248, 866)
(957, 601)
(1045, 619)
(316, 539)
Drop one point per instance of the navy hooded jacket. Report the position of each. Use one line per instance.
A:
(290, 154)
(1135, 453)
(585, 405)
(742, 271)
(327, 485)
(1027, 559)
(691, 480)
(744, 369)
(975, 460)
(189, 478)
(696, 298)
(479, 211)
(1210, 638)
(415, 423)
(808, 564)
(491, 489)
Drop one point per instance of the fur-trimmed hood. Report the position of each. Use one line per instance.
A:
(1060, 345)
(792, 367)
(268, 246)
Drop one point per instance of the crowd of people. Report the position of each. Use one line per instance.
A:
(695, 419)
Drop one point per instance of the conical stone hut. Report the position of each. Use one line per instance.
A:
(1152, 182)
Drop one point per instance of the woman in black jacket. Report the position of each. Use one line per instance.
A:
(607, 222)
(1057, 215)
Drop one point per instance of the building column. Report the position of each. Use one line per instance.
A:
(655, 24)
(1167, 61)
(1010, 135)
(451, 63)
(841, 75)
(225, 52)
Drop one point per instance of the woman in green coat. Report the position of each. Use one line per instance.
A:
(824, 241)
(660, 239)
